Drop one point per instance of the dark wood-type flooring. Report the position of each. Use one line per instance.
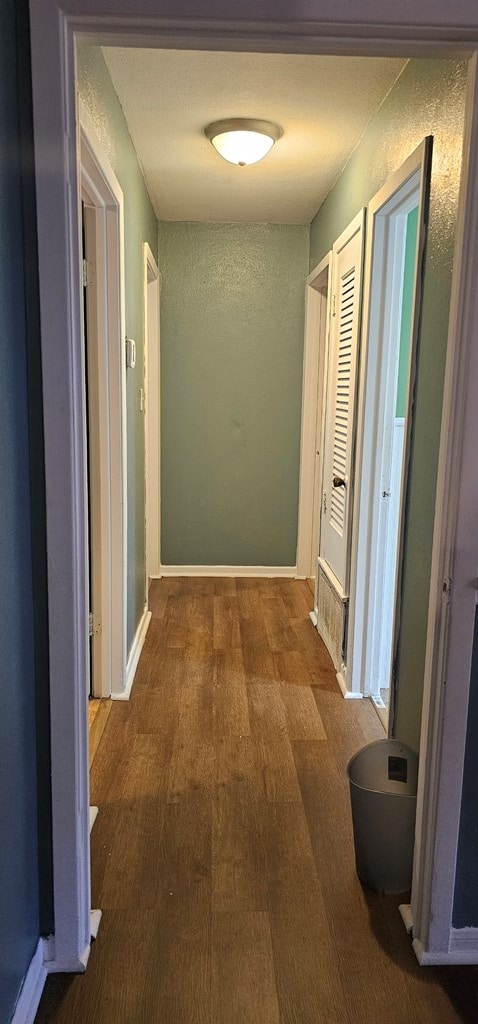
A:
(222, 855)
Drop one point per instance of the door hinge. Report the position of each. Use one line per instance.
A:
(324, 502)
(94, 624)
(446, 588)
(334, 301)
(89, 270)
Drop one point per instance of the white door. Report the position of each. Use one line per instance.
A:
(395, 246)
(340, 406)
(391, 436)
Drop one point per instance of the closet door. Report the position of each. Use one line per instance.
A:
(347, 255)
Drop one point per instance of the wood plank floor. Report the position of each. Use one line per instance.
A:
(222, 855)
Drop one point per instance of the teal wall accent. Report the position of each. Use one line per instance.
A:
(406, 320)
(465, 908)
(232, 323)
(19, 848)
(140, 224)
(427, 99)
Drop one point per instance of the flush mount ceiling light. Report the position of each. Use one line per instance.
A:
(243, 140)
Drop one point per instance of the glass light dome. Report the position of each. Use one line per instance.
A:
(243, 141)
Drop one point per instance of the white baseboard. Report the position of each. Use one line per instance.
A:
(93, 816)
(405, 911)
(134, 654)
(313, 618)
(347, 694)
(57, 965)
(465, 941)
(463, 950)
(95, 920)
(265, 571)
(32, 988)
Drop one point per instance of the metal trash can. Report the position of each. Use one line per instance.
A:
(383, 793)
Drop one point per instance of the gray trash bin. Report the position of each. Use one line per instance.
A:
(383, 794)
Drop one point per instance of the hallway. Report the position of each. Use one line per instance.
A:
(222, 855)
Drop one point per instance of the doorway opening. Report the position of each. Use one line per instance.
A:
(105, 403)
(61, 331)
(395, 249)
(314, 386)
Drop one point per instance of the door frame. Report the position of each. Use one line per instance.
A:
(152, 421)
(381, 209)
(108, 408)
(363, 30)
(316, 348)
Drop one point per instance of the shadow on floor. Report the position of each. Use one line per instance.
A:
(459, 984)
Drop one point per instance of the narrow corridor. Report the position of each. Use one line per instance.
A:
(222, 855)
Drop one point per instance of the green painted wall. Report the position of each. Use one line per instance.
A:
(427, 99)
(406, 319)
(232, 321)
(140, 224)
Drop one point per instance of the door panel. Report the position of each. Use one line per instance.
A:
(341, 392)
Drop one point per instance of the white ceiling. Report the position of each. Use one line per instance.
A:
(323, 105)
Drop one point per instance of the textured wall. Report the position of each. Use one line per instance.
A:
(19, 905)
(232, 319)
(428, 99)
(96, 91)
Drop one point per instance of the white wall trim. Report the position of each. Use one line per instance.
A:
(365, 546)
(452, 607)
(463, 950)
(465, 939)
(266, 571)
(152, 368)
(95, 921)
(134, 656)
(346, 693)
(431, 28)
(405, 912)
(32, 988)
(313, 391)
(104, 191)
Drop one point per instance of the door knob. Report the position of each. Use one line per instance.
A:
(338, 481)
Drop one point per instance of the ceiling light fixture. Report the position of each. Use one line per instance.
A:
(242, 140)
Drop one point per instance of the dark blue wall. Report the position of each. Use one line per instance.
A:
(465, 910)
(19, 873)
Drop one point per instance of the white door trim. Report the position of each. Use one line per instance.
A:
(452, 606)
(95, 329)
(313, 391)
(433, 28)
(100, 184)
(152, 427)
(408, 178)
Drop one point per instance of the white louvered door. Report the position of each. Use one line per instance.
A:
(341, 392)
